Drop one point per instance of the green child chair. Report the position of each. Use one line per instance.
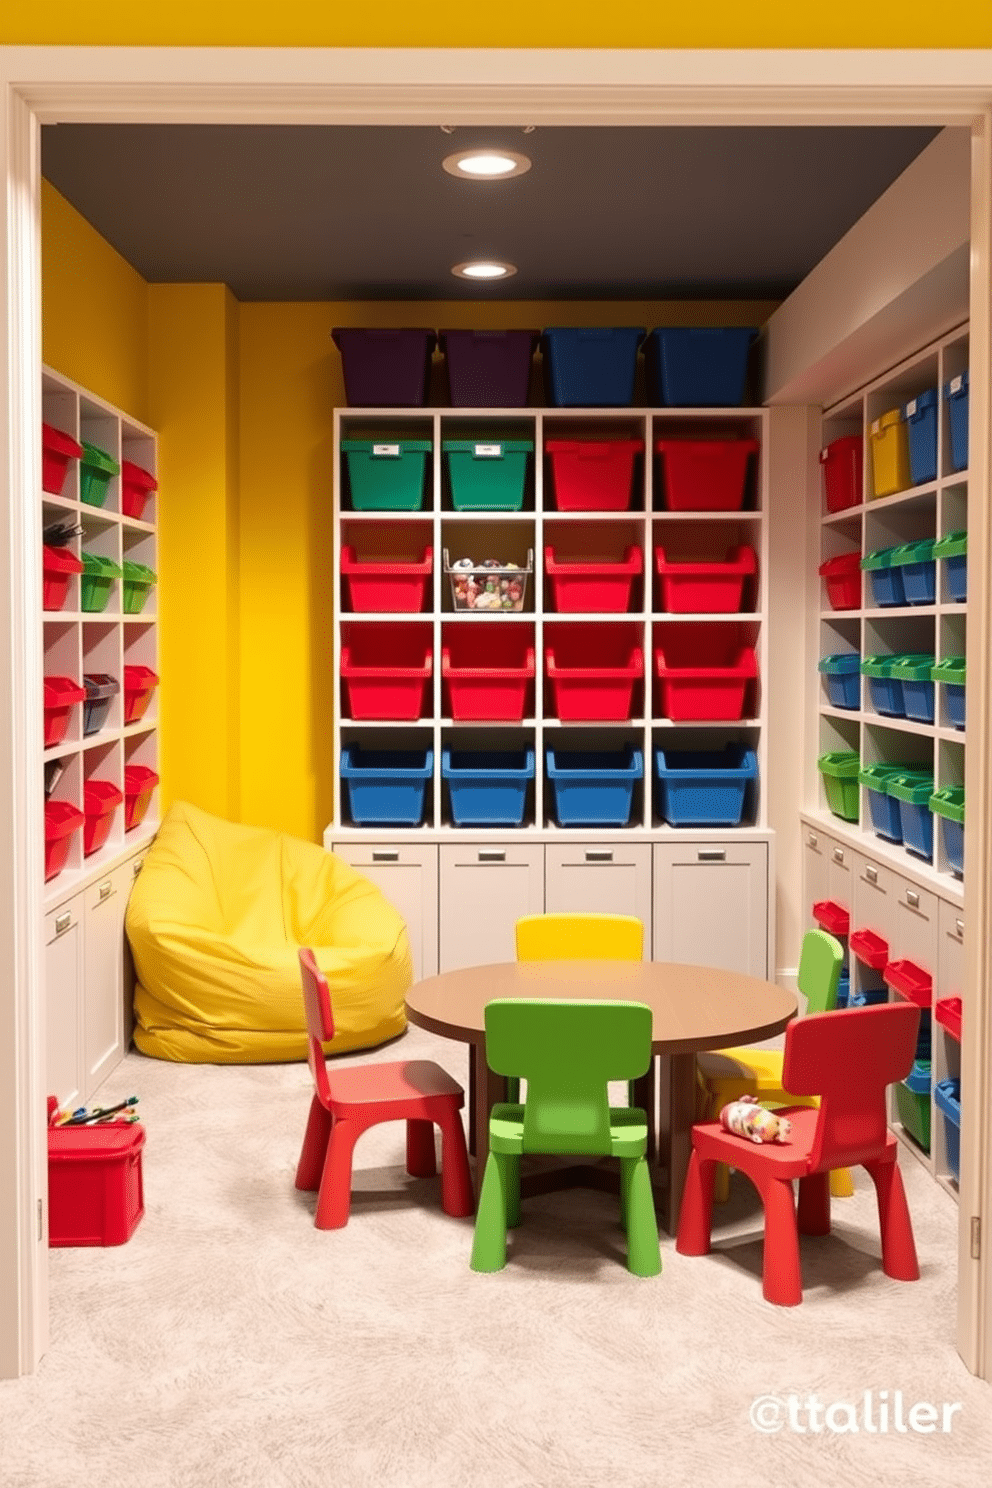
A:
(568, 1052)
(730, 1073)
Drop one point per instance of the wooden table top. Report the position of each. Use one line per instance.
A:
(693, 1007)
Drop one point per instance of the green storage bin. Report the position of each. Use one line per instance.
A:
(138, 581)
(95, 581)
(96, 468)
(913, 1102)
(951, 672)
(840, 769)
(949, 802)
(487, 474)
(386, 474)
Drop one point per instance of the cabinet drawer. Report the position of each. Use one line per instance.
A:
(599, 878)
(407, 876)
(873, 896)
(485, 889)
(63, 1010)
(711, 905)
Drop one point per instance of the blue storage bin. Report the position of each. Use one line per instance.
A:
(883, 809)
(885, 580)
(919, 571)
(704, 788)
(920, 416)
(869, 997)
(952, 551)
(487, 788)
(884, 690)
(842, 675)
(698, 366)
(386, 785)
(956, 397)
(593, 788)
(954, 843)
(916, 819)
(954, 697)
(591, 366)
(843, 989)
(913, 671)
(947, 1098)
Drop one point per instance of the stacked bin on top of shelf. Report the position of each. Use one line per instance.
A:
(488, 369)
(698, 366)
(385, 368)
(590, 366)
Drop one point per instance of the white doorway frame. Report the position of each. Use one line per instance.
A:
(42, 85)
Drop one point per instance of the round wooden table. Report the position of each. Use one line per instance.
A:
(693, 1008)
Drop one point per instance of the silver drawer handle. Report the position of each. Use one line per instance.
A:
(137, 867)
(712, 855)
(959, 925)
(62, 923)
(106, 889)
(594, 855)
(871, 873)
(390, 855)
(838, 855)
(912, 899)
(492, 855)
(812, 839)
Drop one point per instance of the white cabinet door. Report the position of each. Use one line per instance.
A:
(817, 848)
(484, 891)
(914, 929)
(950, 952)
(103, 976)
(407, 876)
(711, 905)
(596, 878)
(64, 1001)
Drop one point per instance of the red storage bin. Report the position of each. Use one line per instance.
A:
(592, 672)
(101, 799)
(383, 585)
(139, 684)
(704, 672)
(704, 474)
(59, 564)
(842, 576)
(910, 981)
(842, 463)
(386, 670)
(139, 783)
(832, 917)
(593, 475)
(136, 487)
(948, 1015)
(870, 948)
(61, 821)
(488, 672)
(588, 585)
(57, 449)
(95, 1192)
(62, 694)
(705, 588)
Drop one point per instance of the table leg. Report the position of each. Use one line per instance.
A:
(676, 1115)
(646, 1096)
(485, 1089)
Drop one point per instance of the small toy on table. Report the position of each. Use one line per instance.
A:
(746, 1118)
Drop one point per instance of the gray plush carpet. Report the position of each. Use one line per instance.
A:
(230, 1343)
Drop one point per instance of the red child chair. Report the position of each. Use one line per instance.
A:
(344, 1105)
(848, 1059)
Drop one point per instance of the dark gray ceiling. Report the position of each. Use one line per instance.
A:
(301, 213)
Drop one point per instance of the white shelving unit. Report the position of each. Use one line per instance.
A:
(427, 857)
(88, 1013)
(916, 906)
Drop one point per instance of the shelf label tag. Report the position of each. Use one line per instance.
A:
(956, 384)
(488, 451)
(876, 427)
(911, 408)
(388, 450)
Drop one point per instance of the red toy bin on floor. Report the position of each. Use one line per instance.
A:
(139, 783)
(704, 474)
(842, 463)
(705, 588)
(386, 670)
(587, 585)
(488, 672)
(101, 799)
(61, 821)
(95, 1191)
(136, 487)
(62, 694)
(384, 585)
(139, 684)
(842, 576)
(705, 673)
(57, 449)
(592, 671)
(59, 564)
(593, 475)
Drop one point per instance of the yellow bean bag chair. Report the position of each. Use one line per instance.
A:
(215, 920)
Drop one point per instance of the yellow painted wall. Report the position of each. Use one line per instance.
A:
(553, 23)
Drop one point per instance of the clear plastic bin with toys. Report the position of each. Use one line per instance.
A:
(491, 585)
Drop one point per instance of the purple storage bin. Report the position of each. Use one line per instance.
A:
(488, 369)
(384, 368)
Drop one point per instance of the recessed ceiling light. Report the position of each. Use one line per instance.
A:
(486, 165)
(484, 268)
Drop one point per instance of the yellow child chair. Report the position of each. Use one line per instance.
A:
(577, 937)
(730, 1073)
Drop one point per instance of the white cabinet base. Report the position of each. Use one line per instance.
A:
(711, 905)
